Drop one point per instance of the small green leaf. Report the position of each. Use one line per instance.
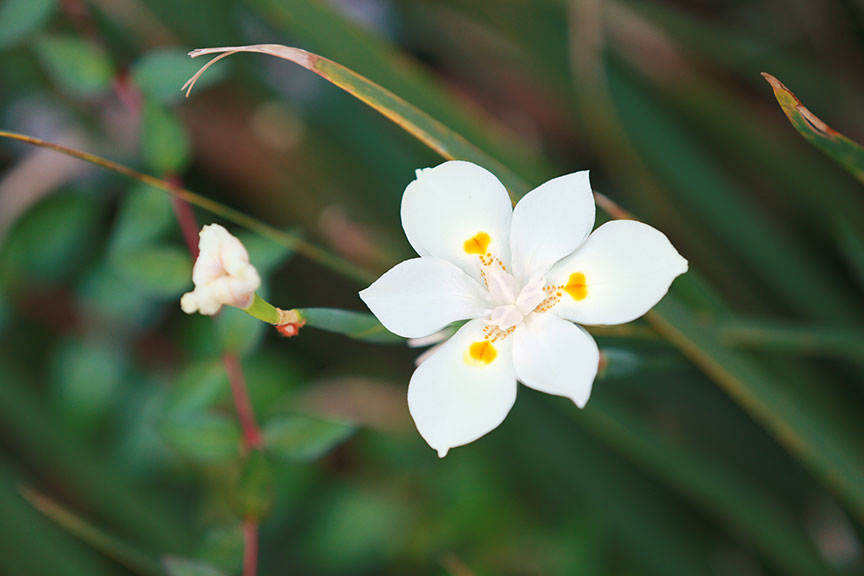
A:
(160, 73)
(846, 152)
(357, 325)
(87, 376)
(253, 488)
(75, 65)
(145, 215)
(198, 387)
(239, 332)
(18, 18)
(302, 438)
(50, 239)
(203, 437)
(185, 567)
(164, 144)
(161, 271)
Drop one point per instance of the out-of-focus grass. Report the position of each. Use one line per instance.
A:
(663, 473)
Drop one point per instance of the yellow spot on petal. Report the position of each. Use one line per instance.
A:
(482, 352)
(576, 287)
(478, 243)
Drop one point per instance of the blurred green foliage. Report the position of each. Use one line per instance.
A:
(723, 437)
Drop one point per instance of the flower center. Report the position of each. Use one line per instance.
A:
(512, 302)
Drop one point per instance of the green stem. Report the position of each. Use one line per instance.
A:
(264, 311)
(311, 251)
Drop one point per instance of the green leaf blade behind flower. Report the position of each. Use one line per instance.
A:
(356, 325)
(843, 150)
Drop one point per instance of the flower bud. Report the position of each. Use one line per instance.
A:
(223, 275)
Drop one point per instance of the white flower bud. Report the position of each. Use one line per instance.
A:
(222, 274)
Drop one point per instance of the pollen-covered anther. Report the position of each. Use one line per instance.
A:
(553, 296)
(493, 333)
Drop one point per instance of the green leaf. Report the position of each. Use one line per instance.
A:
(146, 214)
(19, 18)
(87, 376)
(302, 438)
(163, 139)
(357, 325)
(160, 271)
(160, 73)
(75, 65)
(253, 489)
(108, 544)
(198, 387)
(185, 567)
(325, 29)
(203, 437)
(50, 239)
(239, 332)
(846, 152)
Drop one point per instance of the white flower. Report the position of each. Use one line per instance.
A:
(222, 274)
(521, 277)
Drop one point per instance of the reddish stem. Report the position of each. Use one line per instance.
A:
(251, 433)
(186, 217)
(250, 548)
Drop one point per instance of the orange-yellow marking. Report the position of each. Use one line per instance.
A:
(481, 353)
(478, 243)
(576, 287)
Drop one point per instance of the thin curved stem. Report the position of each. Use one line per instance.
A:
(311, 251)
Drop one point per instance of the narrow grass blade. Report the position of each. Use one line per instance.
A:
(123, 553)
(846, 152)
(408, 117)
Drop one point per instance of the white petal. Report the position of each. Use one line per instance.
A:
(218, 253)
(628, 267)
(549, 223)
(448, 206)
(455, 399)
(423, 295)
(554, 356)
